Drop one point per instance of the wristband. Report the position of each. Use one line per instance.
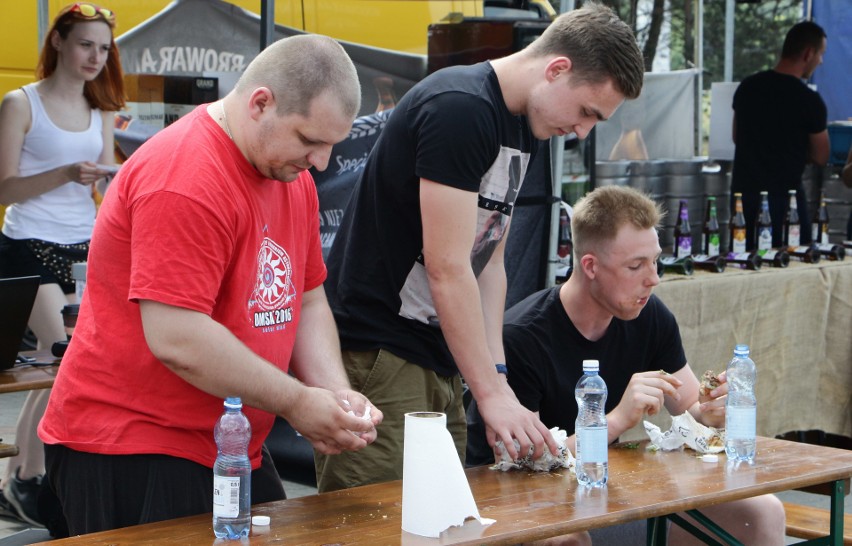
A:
(501, 368)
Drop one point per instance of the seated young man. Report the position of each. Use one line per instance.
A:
(606, 311)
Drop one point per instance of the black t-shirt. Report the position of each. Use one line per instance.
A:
(452, 128)
(775, 116)
(545, 353)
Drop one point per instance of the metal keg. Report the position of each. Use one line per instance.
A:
(612, 173)
(648, 177)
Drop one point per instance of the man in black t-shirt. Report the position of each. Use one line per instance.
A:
(416, 278)
(779, 127)
(606, 311)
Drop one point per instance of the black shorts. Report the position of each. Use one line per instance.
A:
(17, 260)
(100, 492)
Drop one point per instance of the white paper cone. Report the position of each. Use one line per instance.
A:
(435, 491)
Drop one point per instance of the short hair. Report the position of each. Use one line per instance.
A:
(300, 68)
(601, 213)
(106, 92)
(600, 45)
(800, 37)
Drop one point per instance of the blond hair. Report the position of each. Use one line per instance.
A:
(601, 213)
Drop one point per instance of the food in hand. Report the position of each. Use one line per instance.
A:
(709, 381)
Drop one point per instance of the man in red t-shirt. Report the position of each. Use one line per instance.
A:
(205, 281)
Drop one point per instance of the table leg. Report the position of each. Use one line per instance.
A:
(835, 537)
(656, 533)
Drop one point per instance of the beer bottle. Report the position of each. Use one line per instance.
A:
(763, 226)
(807, 254)
(820, 226)
(716, 263)
(792, 225)
(745, 260)
(738, 226)
(563, 249)
(682, 266)
(776, 257)
(710, 232)
(683, 233)
(830, 251)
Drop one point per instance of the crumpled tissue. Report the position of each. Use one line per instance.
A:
(545, 463)
(686, 431)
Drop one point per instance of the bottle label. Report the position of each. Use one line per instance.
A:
(738, 255)
(793, 237)
(764, 238)
(684, 246)
(738, 245)
(768, 255)
(592, 444)
(713, 246)
(741, 423)
(226, 496)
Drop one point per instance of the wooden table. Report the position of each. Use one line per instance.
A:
(527, 506)
(26, 377)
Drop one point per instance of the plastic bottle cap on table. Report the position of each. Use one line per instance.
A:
(260, 521)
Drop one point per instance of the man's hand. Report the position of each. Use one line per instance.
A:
(645, 394)
(319, 416)
(712, 406)
(507, 420)
(358, 404)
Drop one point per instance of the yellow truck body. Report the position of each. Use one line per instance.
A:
(399, 25)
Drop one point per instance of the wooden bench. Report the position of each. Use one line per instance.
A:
(809, 522)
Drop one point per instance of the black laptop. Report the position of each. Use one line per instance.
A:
(16, 302)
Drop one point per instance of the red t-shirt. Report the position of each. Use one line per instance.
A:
(190, 223)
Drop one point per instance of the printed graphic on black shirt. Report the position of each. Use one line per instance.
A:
(497, 193)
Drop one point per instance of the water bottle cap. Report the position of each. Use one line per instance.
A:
(233, 402)
(260, 521)
(741, 350)
(590, 365)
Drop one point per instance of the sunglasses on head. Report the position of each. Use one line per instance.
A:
(91, 11)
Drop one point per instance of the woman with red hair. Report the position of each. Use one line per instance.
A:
(56, 142)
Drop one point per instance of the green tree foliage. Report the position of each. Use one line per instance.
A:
(759, 30)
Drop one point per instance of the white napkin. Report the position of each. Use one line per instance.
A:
(685, 430)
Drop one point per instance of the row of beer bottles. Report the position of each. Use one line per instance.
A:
(711, 240)
(791, 230)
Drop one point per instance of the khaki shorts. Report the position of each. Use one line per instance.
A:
(396, 387)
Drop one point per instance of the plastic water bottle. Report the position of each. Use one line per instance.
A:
(232, 473)
(741, 407)
(590, 427)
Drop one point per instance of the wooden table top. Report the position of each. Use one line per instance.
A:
(26, 377)
(527, 506)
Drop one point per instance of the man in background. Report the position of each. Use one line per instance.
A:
(779, 127)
